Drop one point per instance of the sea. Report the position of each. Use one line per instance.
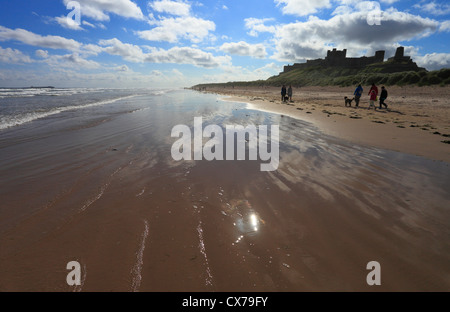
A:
(19, 106)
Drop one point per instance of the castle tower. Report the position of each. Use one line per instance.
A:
(399, 53)
(379, 56)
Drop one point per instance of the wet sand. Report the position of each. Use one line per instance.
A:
(417, 120)
(108, 194)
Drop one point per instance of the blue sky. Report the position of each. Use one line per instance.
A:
(179, 43)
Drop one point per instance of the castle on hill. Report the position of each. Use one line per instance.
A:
(338, 58)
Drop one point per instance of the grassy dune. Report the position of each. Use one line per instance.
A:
(384, 73)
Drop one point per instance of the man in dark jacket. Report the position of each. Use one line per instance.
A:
(283, 93)
(383, 96)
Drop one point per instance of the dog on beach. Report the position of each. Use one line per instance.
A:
(348, 102)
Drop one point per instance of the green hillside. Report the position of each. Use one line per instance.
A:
(385, 73)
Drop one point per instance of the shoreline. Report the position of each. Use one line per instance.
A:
(407, 126)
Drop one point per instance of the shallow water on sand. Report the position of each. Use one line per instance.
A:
(98, 185)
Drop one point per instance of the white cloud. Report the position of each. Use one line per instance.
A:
(99, 9)
(122, 68)
(27, 37)
(433, 8)
(306, 40)
(177, 55)
(244, 49)
(434, 61)
(445, 26)
(173, 29)
(178, 8)
(68, 23)
(224, 7)
(129, 52)
(302, 7)
(90, 49)
(343, 10)
(73, 60)
(389, 1)
(42, 53)
(257, 25)
(182, 24)
(88, 24)
(187, 55)
(13, 56)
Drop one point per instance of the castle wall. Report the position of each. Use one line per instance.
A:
(339, 58)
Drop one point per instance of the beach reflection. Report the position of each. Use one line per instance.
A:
(246, 220)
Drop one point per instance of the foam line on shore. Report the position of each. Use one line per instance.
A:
(137, 269)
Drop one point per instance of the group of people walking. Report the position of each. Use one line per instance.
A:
(286, 95)
(373, 96)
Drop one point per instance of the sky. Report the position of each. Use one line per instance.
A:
(180, 43)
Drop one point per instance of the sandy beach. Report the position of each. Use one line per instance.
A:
(99, 186)
(417, 120)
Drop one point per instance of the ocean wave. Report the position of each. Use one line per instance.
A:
(17, 120)
(29, 92)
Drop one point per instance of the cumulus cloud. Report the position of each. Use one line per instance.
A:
(27, 37)
(42, 53)
(433, 8)
(73, 60)
(173, 29)
(305, 40)
(181, 24)
(445, 26)
(122, 68)
(434, 61)
(13, 56)
(178, 8)
(186, 55)
(244, 49)
(129, 52)
(99, 9)
(68, 23)
(257, 25)
(302, 7)
(178, 55)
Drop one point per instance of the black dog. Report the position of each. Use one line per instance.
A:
(348, 102)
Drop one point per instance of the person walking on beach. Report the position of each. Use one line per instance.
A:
(374, 88)
(383, 97)
(358, 93)
(283, 93)
(289, 93)
(373, 98)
